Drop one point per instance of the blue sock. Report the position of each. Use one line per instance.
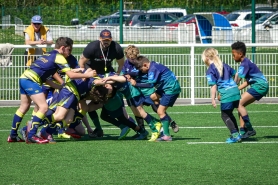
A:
(18, 116)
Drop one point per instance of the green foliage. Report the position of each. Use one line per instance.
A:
(61, 12)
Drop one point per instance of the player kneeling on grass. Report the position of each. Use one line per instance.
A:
(67, 101)
(220, 78)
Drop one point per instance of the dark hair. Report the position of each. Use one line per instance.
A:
(63, 41)
(99, 94)
(239, 46)
(139, 61)
(70, 40)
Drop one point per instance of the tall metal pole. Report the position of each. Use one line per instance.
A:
(121, 21)
(253, 29)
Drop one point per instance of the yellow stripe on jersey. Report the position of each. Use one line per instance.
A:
(71, 87)
(32, 75)
(60, 59)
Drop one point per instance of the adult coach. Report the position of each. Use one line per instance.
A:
(36, 34)
(99, 55)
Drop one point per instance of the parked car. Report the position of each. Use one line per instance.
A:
(108, 21)
(258, 6)
(179, 12)
(148, 20)
(266, 22)
(190, 18)
(243, 17)
(89, 22)
(128, 12)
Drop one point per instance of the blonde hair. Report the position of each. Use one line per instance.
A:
(212, 55)
(132, 51)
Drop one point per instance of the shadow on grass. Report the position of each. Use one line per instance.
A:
(270, 137)
(110, 137)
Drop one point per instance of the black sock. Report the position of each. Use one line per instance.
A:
(140, 122)
(105, 117)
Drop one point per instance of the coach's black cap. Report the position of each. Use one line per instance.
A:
(105, 34)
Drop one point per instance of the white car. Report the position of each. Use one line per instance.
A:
(179, 12)
(266, 28)
(243, 17)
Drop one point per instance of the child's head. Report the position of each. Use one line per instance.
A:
(238, 51)
(142, 63)
(131, 52)
(99, 94)
(209, 56)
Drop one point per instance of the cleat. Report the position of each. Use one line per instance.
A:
(124, 133)
(248, 134)
(36, 139)
(235, 138)
(64, 136)
(23, 133)
(174, 126)
(165, 138)
(154, 137)
(96, 133)
(47, 136)
(143, 135)
(135, 135)
(13, 139)
(158, 126)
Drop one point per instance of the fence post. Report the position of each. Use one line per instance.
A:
(192, 80)
(76, 8)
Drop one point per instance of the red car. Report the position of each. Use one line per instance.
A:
(190, 18)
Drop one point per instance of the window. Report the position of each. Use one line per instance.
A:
(169, 18)
(155, 18)
(142, 18)
(103, 21)
(232, 16)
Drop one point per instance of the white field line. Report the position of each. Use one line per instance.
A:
(212, 127)
(179, 113)
(244, 142)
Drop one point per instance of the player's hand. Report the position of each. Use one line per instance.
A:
(213, 103)
(133, 82)
(128, 77)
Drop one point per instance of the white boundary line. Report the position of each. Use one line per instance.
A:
(244, 142)
(212, 127)
(180, 113)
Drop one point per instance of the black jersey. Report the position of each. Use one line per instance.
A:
(97, 59)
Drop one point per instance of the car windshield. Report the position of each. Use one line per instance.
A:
(184, 19)
(263, 18)
(232, 16)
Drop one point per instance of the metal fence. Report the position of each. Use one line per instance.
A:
(188, 67)
(183, 34)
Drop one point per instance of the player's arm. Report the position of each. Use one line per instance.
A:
(213, 90)
(120, 79)
(58, 78)
(120, 65)
(243, 85)
(82, 61)
(53, 85)
(73, 75)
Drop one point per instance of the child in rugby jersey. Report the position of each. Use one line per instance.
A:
(220, 78)
(31, 87)
(167, 89)
(257, 81)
